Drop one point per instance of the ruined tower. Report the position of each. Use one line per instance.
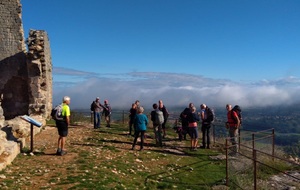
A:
(25, 75)
(25, 80)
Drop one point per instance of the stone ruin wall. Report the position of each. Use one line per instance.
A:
(39, 67)
(25, 79)
(13, 70)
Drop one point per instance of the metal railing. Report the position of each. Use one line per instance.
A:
(251, 156)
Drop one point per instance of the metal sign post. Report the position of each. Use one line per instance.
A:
(32, 123)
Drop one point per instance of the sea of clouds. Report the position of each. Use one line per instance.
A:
(174, 89)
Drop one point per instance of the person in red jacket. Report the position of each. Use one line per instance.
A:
(233, 123)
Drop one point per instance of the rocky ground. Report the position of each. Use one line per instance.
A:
(35, 170)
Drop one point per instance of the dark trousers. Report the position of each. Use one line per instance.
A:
(131, 126)
(136, 135)
(205, 134)
(185, 130)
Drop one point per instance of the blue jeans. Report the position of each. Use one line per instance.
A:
(97, 120)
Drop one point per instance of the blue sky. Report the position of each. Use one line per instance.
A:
(181, 51)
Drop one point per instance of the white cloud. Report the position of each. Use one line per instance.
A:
(174, 89)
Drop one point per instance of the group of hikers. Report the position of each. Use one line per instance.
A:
(189, 122)
(97, 108)
(138, 123)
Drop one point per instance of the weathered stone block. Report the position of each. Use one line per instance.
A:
(11, 150)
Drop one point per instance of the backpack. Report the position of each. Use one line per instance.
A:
(92, 106)
(183, 115)
(159, 117)
(56, 113)
(237, 109)
(210, 115)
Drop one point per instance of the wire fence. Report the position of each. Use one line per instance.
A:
(256, 161)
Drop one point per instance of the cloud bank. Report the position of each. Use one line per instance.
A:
(173, 88)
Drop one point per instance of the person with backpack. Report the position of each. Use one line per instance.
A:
(107, 112)
(62, 126)
(233, 124)
(193, 118)
(163, 108)
(96, 108)
(132, 114)
(157, 119)
(207, 117)
(140, 122)
(184, 121)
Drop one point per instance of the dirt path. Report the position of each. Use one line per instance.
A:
(36, 171)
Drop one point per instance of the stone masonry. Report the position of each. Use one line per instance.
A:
(25, 80)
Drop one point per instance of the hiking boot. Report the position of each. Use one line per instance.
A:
(62, 153)
(58, 151)
(202, 147)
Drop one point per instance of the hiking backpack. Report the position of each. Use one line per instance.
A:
(159, 117)
(56, 113)
(210, 115)
(92, 106)
(237, 109)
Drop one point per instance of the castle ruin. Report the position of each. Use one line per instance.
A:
(25, 76)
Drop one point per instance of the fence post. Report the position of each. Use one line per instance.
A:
(254, 169)
(214, 134)
(123, 117)
(226, 153)
(91, 117)
(273, 143)
(253, 141)
(239, 133)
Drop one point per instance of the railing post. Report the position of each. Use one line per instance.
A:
(91, 117)
(214, 134)
(239, 133)
(226, 154)
(123, 117)
(253, 141)
(254, 169)
(273, 143)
